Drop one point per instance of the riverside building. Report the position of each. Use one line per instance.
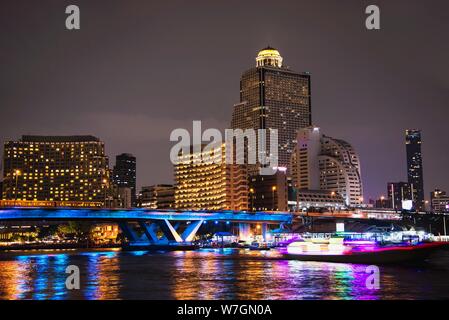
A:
(55, 168)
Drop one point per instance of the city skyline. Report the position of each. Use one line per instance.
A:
(128, 102)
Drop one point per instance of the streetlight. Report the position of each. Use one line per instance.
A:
(105, 181)
(273, 188)
(251, 191)
(382, 198)
(17, 173)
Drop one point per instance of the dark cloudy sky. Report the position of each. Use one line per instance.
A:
(139, 69)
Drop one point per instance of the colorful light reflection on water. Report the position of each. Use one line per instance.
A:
(207, 274)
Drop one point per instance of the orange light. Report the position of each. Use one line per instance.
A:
(274, 188)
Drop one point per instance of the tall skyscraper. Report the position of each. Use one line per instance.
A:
(55, 168)
(414, 166)
(320, 162)
(124, 174)
(273, 97)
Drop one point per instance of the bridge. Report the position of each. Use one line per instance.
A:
(176, 227)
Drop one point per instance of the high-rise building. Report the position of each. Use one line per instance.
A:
(55, 168)
(400, 195)
(118, 197)
(273, 97)
(160, 196)
(124, 174)
(320, 162)
(210, 185)
(268, 192)
(414, 166)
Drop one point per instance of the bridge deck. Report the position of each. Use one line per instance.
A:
(11, 214)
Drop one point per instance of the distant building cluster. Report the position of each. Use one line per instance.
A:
(408, 196)
(319, 172)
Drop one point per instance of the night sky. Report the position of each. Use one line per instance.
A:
(139, 69)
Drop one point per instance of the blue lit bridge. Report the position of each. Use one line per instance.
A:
(175, 226)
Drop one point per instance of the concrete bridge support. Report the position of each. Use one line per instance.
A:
(244, 231)
(264, 231)
(131, 234)
(189, 233)
(150, 231)
(170, 233)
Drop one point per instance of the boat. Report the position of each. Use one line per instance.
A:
(365, 250)
(259, 246)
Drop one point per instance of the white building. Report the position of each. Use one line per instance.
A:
(320, 162)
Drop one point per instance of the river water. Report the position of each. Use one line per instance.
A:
(211, 274)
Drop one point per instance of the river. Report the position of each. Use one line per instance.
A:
(211, 274)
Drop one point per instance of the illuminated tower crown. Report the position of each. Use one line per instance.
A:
(269, 57)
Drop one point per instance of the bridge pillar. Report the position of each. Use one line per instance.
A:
(244, 231)
(130, 233)
(150, 231)
(169, 231)
(176, 226)
(264, 231)
(190, 232)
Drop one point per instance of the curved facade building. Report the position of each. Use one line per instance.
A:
(320, 162)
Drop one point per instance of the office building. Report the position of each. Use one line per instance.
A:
(160, 196)
(273, 97)
(55, 168)
(318, 199)
(210, 185)
(382, 203)
(400, 195)
(124, 174)
(320, 162)
(269, 192)
(439, 201)
(415, 167)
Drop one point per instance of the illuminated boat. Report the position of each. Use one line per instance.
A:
(337, 249)
(259, 246)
